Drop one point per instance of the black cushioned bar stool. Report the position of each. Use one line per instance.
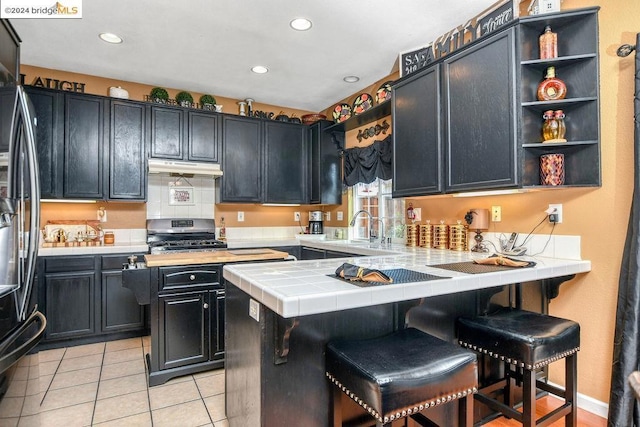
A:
(401, 374)
(525, 342)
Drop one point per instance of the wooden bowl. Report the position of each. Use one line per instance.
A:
(309, 119)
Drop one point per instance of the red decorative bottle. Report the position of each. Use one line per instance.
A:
(548, 44)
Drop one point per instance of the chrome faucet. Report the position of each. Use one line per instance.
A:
(372, 233)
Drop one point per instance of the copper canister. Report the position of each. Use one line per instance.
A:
(458, 237)
(441, 236)
(413, 234)
(426, 235)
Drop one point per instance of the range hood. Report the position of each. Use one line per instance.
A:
(184, 168)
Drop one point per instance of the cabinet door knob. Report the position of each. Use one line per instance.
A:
(192, 277)
(205, 306)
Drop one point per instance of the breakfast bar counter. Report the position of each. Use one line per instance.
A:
(279, 317)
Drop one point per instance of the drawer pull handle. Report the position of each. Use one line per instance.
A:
(192, 277)
(205, 306)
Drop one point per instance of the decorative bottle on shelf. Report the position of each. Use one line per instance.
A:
(551, 88)
(550, 126)
(548, 44)
(223, 230)
(562, 128)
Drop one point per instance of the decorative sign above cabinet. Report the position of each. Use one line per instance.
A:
(49, 83)
(500, 14)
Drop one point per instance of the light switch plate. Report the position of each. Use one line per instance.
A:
(240, 216)
(339, 215)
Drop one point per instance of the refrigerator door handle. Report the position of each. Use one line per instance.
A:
(6, 360)
(28, 124)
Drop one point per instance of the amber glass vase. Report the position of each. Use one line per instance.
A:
(551, 88)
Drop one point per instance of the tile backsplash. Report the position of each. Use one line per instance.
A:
(159, 205)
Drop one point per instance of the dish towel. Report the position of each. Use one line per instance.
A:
(361, 274)
(504, 261)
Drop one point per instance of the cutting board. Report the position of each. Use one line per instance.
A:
(213, 257)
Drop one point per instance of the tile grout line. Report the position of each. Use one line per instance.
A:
(202, 400)
(95, 401)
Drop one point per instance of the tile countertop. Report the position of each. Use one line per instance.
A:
(117, 248)
(305, 287)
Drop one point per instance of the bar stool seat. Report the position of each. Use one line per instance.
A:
(525, 342)
(401, 374)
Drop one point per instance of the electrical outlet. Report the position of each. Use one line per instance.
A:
(496, 213)
(417, 214)
(296, 216)
(240, 216)
(339, 215)
(327, 216)
(555, 213)
(254, 309)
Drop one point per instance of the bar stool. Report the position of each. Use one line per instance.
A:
(525, 342)
(401, 374)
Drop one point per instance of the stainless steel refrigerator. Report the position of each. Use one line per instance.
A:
(21, 324)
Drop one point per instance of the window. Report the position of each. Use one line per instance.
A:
(376, 199)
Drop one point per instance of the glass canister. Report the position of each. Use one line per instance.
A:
(426, 235)
(550, 126)
(552, 169)
(441, 236)
(413, 234)
(458, 237)
(109, 238)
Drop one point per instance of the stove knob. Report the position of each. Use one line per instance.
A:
(192, 277)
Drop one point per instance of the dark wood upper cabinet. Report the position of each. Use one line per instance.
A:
(167, 132)
(242, 158)
(49, 111)
(326, 166)
(286, 163)
(84, 146)
(479, 88)
(417, 135)
(127, 151)
(203, 139)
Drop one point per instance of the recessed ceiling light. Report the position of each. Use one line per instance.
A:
(260, 69)
(110, 38)
(300, 24)
(351, 79)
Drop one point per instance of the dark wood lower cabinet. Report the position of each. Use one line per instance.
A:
(70, 305)
(83, 300)
(184, 318)
(187, 327)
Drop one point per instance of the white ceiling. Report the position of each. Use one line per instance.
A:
(209, 46)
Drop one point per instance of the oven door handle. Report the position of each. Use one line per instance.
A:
(6, 360)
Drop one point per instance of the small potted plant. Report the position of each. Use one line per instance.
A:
(159, 95)
(184, 99)
(207, 102)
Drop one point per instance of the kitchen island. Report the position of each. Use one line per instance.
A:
(279, 318)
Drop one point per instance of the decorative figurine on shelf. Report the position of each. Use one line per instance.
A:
(551, 88)
(242, 105)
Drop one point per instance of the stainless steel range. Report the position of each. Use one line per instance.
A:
(182, 235)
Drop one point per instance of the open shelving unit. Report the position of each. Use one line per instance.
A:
(577, 65)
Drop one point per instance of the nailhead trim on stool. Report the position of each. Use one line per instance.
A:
(519, 363)
(404, 412)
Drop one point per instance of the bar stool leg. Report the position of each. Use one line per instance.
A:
(529, 398)
(465, 411)
(571, 392)
(336, 406)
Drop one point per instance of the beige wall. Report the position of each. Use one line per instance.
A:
(599, 215)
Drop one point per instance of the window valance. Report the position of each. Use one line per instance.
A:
(365, 164)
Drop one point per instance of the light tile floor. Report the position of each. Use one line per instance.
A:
(105, 384)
